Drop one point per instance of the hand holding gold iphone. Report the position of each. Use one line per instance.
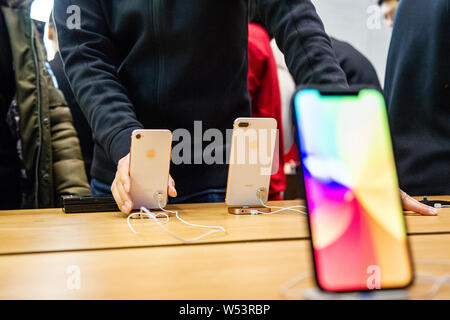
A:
(149, 167)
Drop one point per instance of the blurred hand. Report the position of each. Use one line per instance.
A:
(411, 204)
(122, 184)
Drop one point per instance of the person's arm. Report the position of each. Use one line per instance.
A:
(91, 66)
(69, 174)
(300, 35)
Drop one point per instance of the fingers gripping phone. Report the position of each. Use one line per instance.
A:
(250, 163)
(149, 167)
(356, 221)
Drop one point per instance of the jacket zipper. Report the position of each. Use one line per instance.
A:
(36, 64)
(156, 25)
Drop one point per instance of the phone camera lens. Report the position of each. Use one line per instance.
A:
(138, 136)
(243, 125)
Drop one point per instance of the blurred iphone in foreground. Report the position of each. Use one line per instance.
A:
(356, 221)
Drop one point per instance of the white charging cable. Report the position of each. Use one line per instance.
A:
(437, 281)
(279, 209)
(148, 213)
(261, 192)
(286, 289)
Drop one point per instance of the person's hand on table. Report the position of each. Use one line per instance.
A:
(411, 204)
(122, 184)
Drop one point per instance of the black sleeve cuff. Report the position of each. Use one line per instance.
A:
(120, 145)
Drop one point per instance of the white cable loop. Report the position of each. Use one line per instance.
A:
(148, 213)
(286, 291)
(291, 208)
(145, 212)
(437, 281)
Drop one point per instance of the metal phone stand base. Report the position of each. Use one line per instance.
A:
(157, 213)
(317, 294)
(244, 210)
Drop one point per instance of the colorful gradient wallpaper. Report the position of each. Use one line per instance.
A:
(356, 220)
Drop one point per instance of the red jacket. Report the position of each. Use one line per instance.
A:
(265, 97)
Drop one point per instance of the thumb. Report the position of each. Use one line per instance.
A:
(171, 187)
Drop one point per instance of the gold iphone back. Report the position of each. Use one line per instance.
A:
(149, 167)
(251, 157)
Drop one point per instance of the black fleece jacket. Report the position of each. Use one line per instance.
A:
(417, 90)
(165, 63)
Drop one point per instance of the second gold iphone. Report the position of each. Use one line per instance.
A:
(250, 164)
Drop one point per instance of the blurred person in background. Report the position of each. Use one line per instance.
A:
(263, 86)
(358, 71)
(388, 9)
(357, 68)
(40, 158)
(417, 91)
(79, 121)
